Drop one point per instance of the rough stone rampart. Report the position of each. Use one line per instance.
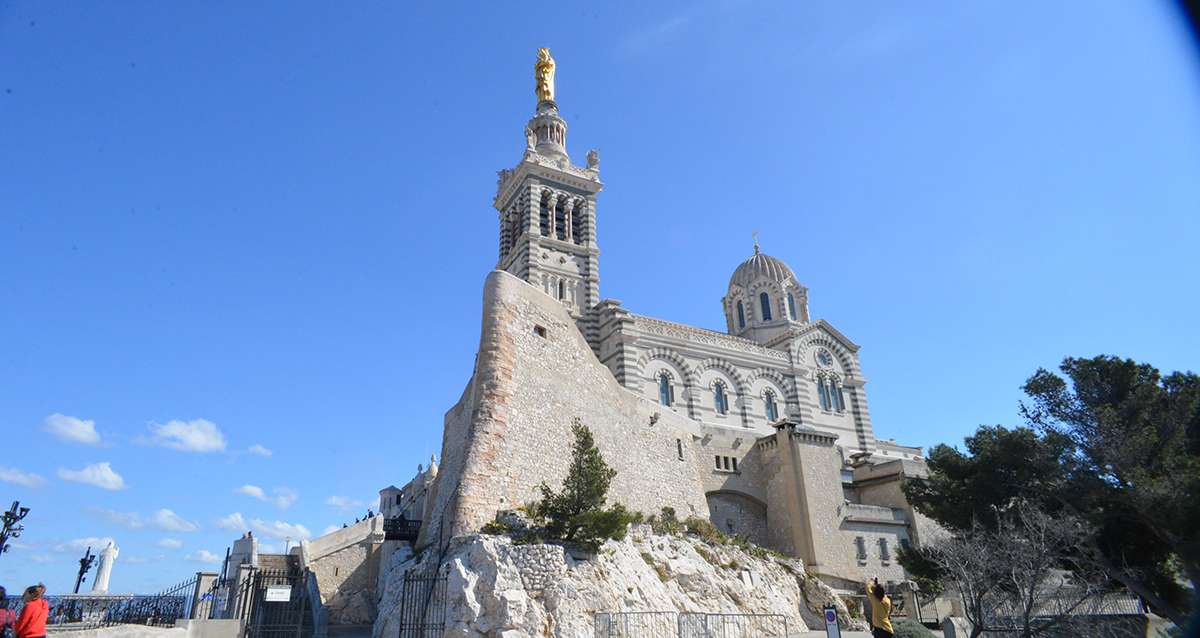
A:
(535, 374)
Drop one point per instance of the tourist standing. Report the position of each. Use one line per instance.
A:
(881, 610)
(32, 623)
(8, 619)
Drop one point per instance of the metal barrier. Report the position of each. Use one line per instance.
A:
(423, 604)
(670, 624)
(637, 624)
(400, 528)
(87, 611)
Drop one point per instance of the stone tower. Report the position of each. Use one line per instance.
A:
(547, 208)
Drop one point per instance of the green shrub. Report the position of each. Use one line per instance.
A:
(496, 528)
(658, 569)
(576, 513)
(705, 530)
(665, 522)
(909, 628)
(707, 555)
(596, 526)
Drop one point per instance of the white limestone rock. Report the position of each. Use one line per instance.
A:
(499, 590)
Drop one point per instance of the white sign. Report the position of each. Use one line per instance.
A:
(278, 594)
(831, 624)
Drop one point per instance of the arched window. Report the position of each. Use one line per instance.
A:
(562, 290)
(835, 389)
(666, 391)
(769, 402)
(765, 300)
(545, 215)
(791, 306)
(823, 394)
(720, 401)
(741, 315)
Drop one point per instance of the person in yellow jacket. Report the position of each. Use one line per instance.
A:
(881, 609)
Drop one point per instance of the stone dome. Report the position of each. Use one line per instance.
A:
(761, 266)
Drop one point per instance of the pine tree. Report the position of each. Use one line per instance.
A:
(577, 513)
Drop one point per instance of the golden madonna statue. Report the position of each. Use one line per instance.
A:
(543, 72)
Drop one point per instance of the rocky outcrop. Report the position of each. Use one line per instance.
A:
(496, 589)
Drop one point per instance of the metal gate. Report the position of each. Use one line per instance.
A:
(274, 604)
(423, 604)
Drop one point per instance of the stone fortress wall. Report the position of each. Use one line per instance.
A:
(511, 430)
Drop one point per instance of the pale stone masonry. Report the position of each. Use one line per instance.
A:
(764, 430)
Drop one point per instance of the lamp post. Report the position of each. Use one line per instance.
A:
(85, 564)
(11, 528)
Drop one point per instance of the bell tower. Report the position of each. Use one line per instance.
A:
(547, 208)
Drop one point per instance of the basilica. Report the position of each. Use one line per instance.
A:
(764, 428)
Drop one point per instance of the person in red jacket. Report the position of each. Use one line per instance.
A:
(7, 617)
(32, 623)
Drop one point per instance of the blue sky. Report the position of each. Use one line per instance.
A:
(225, 226)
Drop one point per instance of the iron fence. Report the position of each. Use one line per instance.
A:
(670, 624)
(275, 604)
(696, 625)
(637, 624)
(423, 603)
(86, 611)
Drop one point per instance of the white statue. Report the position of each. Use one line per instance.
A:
(593, 159)
(104, 569)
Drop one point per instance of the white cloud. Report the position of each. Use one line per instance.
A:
(280, 530)
(283, 497)
(130, 520)
(164, 519)
(197, 435)
(203, 556)
(43, 558)
(170, 521)
(234, 522)
(135, 560)
(277, 530)
(72, 429)
(17, 477)
(252, 491)
(344, 503)
(170, 543)
(97, 543)
(100, 475)
(259, 450)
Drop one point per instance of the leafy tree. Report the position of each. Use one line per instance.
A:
(1137, 441)
(576, 513)
(1115, 444)
(1009, 578)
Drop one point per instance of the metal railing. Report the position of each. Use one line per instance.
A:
(670, 624)
(637, 624)
(86, 611)
(400, 528)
